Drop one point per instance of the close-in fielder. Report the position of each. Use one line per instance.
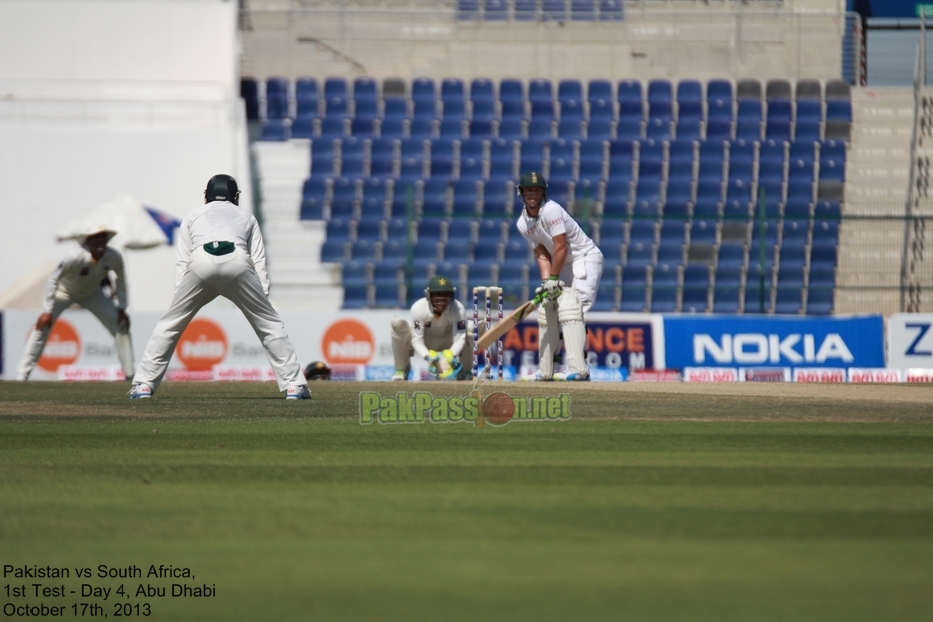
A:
(571, 266)
(77, 281)
(438, 329)
(221, 253)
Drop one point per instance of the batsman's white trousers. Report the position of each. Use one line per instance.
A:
(233, 277)
(103, 309)
(583, 276)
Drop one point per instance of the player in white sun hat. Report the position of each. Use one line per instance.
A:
(571, 266)
(438, 331)
(221, 253)
(77, 281)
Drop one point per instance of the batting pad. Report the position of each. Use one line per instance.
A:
(401, 343)
(548, 338)
(570, 312)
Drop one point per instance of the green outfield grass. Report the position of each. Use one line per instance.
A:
(644, 506)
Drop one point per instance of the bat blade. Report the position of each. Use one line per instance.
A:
(502, 327)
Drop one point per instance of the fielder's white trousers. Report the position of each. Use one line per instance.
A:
(103, 309)
(233, 277)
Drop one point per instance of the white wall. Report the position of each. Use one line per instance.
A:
(105, 96)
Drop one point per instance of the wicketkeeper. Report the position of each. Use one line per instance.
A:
(221, 253)
(77, 281)
(571, 266)
(437, 331)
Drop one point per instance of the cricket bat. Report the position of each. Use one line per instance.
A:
(502, 327)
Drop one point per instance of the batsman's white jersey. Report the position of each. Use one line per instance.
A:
(583, 266)
(221, 253)
(77, 280)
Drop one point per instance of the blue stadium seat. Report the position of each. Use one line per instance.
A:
(689, 100)
(458, 251)
(703, 231)
(696, 287)
(592, 159)
(664, 284)
(333, 128)
(465, 198)
(679, 190)
(355, 297)
(382, 157)
(660, 100)
(630, 100)
(712, 158)
(610, 10)
(373, 202)
(355, 274)
(741, 161)
(352, 156)
(442, 157)
(497, 198)
(789, 292)
(487, 252)
(343, 198)
(363, 127)
(600, 129)
(435, 197)
(495, 10)
(532, 155)
(726, 289)
(629, 128)
(517, 251)
(304, 126)
(682, 155)
(502, 159)
(633, 289)
(369, 228)
(719, 129)
(338, 229)
(511, 129)
(480, 128)
(757, 299)
(541, 129)
(275, 129)
(334, 251)
(651, 159)
(571, 110)
(731, 254)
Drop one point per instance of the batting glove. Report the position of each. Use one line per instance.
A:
(552, 288)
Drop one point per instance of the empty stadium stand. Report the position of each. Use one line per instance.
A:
(735, 221)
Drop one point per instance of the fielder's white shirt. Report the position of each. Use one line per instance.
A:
(221, 221)
(447, 332)
(553, 220)
(78, 276)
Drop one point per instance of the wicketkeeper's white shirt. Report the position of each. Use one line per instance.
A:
(447, 332)
(78, 276)
(221, 221)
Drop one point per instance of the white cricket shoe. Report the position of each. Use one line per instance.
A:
(537, 377)
(572, 375)
(400, 375)
(140, 391)
(22, 378)
(298, 393)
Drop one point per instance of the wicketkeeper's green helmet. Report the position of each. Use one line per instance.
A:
(439, 284)
(533, 179)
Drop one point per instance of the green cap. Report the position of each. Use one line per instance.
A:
(440, 284)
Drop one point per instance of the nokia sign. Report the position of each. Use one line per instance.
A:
(715, 341)
(757, 348)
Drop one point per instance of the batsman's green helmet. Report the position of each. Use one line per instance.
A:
(532, 179)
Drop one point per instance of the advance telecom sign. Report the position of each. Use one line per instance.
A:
(730, 341)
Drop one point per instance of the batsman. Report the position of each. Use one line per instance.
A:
(571, 265)
(437, 333)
